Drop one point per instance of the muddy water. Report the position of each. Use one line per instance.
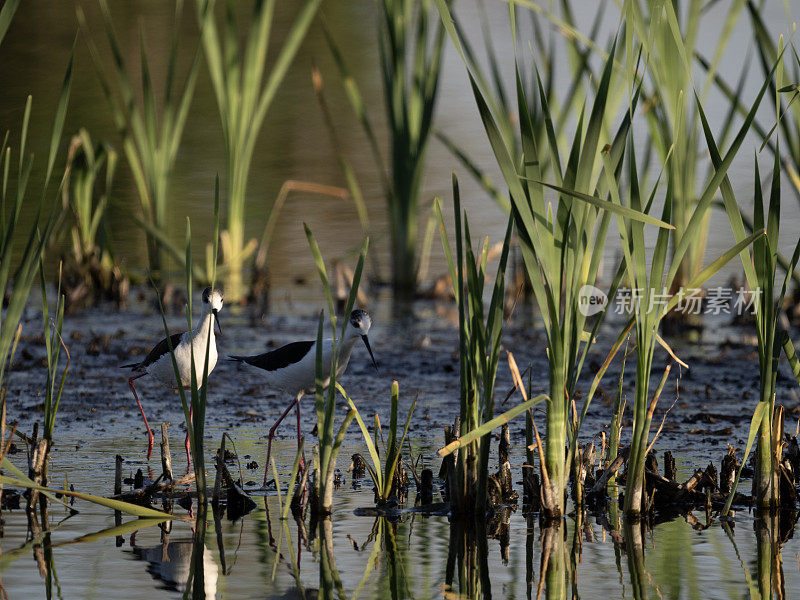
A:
(98, 419)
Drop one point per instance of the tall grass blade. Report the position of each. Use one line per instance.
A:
(489, 426)
(6, 14)
(329, 443)
(126, 507)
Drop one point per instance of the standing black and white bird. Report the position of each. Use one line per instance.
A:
(186, 345)
(292, 368)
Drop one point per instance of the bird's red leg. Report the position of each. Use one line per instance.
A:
(146, 424)
(272, 435)
(186, 443)
(299, 435)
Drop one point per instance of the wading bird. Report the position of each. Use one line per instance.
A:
(292, 368)
(187, 344)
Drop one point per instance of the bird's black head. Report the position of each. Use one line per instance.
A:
(213, 297)
(360, 320)
(212, 300)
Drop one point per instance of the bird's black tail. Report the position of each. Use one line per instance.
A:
(130, 366)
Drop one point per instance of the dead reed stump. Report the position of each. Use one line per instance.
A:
(583, 470)
(426, 487)
(37, 460)
(166, 457)
(117, 475)
(728, 471)
(530, 488)
(670, 471)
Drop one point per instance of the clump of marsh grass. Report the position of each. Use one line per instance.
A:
(411, 53)
(563, 99)
(479, 336)
(650, 285)
(327, 451)
(91, 271)
(150, 141)
(760, 266)
(244, 96)
(562, 245)
(383, 474)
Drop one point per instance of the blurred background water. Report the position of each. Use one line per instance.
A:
(294, 144)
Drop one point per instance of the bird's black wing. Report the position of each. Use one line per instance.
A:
(159, 350)
(278, 359)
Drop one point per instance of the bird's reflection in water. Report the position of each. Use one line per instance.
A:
(170, 563)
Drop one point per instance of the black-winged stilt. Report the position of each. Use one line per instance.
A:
(158, 362)
(292, 368)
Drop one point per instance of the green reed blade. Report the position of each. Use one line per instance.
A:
(618, 209)
(60, 116)
(351, 298)
(6, 14)
(337, 443)
(391, 446)
(394, 454)
(126, 507)
(437, 208)
(323, 275)
(376, 473)
(791, 355)
(761, 412)
(292, 480)
(485, 428)
(28, 482)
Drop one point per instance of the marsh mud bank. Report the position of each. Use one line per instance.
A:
(711, 402)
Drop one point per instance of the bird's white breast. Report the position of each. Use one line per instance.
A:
(162, 369)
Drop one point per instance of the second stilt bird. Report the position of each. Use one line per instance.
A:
(292, 368)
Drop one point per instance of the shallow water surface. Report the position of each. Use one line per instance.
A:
(413, 556)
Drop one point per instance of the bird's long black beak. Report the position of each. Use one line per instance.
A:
(215, 312)
(372, 356)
